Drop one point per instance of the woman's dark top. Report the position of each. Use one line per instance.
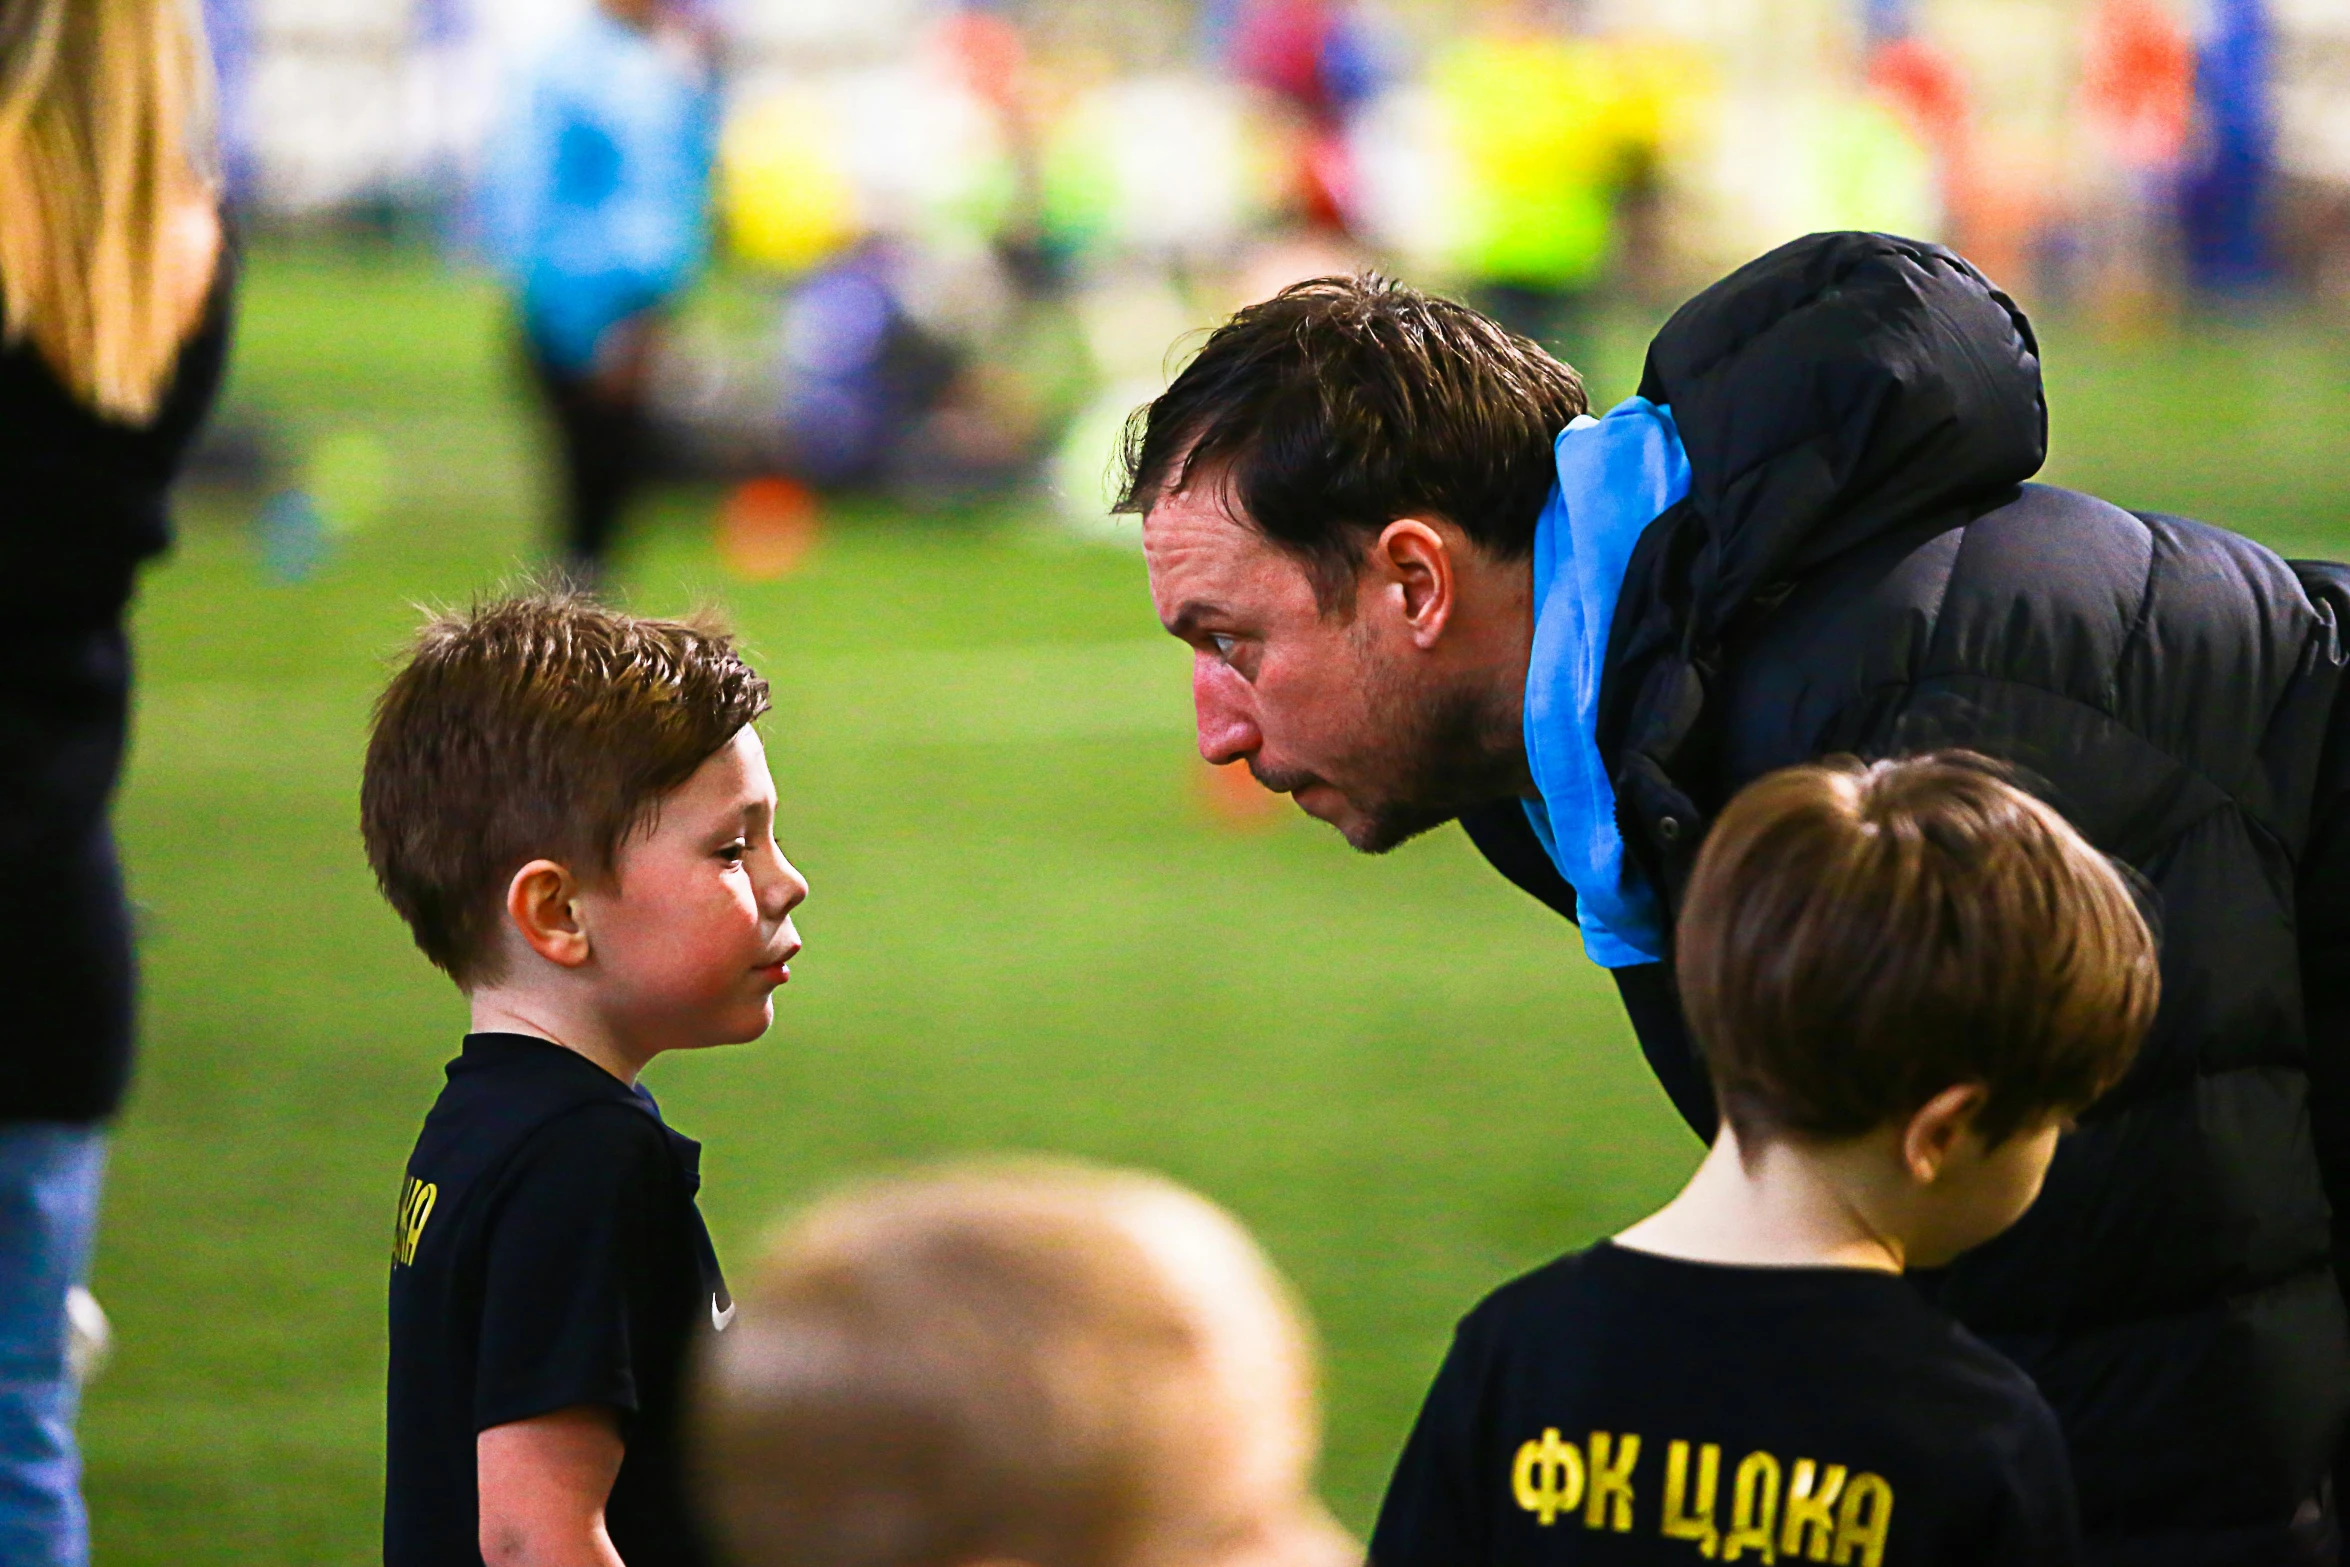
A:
(83, 500)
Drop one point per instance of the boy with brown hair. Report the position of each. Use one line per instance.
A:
(572, 811)
(1905, 977)
(1026, 1363)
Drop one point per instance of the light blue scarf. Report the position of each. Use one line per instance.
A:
(1615, 476)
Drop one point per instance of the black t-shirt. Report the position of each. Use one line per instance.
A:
(1617, 1406)
(546, 1252)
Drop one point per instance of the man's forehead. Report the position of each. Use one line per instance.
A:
(1191, 536)
(1200, 515)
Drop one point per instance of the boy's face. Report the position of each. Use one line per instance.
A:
(692, 933)
(1981, 1191)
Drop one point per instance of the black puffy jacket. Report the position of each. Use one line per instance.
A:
(1860, 567)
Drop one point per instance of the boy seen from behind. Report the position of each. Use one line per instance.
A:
(572, 812)
(1904, 977)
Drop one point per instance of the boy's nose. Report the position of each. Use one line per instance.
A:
(785, 890)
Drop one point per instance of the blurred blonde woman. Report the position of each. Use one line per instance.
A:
(114, 288)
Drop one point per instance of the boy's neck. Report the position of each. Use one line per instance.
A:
(499, 1010)
(1794, 1205)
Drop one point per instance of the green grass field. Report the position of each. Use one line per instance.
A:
(1028, 929)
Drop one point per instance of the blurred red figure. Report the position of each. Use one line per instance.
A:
(1318, 61)
(986, 53)
(1927, 88)
(2138, 82)
(2137, 98)
(1280, 45)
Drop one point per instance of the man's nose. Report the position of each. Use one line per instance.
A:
(1227, 724)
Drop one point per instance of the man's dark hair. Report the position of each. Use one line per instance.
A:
(543, 725)
(1859, 937)
(1343, 403)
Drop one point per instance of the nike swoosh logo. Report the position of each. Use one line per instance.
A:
(719, 1319)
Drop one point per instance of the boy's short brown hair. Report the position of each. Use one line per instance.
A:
(539, 725)
(1858, 937)
(1023, 1361)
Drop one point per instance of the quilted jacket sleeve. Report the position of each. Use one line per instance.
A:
(2324, 917)
(2324, 898)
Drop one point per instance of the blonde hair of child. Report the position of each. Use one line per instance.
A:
(1033, 1362)
(105, 120)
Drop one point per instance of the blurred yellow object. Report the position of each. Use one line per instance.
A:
(1543, 130)
(1661, 84)
(784, 191)
(1875, 172)
(906, 150)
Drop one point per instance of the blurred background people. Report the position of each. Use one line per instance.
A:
(116, 288)
(1016, 1363)
(596, 193)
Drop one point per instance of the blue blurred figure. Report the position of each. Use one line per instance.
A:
(859, 374)
(2227, 186)
(596, 196)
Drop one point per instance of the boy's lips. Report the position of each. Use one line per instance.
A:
(779, 971)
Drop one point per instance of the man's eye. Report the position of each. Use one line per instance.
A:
(1223, 645)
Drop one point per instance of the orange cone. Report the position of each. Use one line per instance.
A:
(766, 528)
(1235, 799)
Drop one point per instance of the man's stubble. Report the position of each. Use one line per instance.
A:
(1429, 753)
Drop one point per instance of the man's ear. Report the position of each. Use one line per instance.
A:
(1934, 1131)
(542, 902)
(1414, 561)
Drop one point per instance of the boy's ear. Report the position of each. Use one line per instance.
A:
(542, 902)
(1933, 1132)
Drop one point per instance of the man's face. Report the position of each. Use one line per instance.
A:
(693, 932)
(1333, 710)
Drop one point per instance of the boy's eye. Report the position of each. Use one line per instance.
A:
(733, 853)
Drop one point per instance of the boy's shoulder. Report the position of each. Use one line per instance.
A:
(508, 1096)
(1612, 1301)
(530, 1147)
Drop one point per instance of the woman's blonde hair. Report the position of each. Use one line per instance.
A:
(105, 112)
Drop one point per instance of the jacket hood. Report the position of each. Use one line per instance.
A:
(1840, 386)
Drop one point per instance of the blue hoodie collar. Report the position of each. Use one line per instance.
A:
(1615, 476)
